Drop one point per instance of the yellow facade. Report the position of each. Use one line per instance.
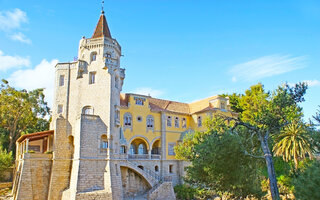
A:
(139, 108)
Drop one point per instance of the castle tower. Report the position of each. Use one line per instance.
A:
(86, 120)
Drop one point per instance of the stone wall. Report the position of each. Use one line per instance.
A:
(164, 191)
(34, 177)
(132, 183)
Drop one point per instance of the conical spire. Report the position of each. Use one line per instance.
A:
(102, 29)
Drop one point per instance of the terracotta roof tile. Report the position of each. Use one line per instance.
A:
(102, 29)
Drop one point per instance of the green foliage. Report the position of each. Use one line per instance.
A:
(307, 184)
(185, 192)
(5, 161)
(21, 112)
(294, 143)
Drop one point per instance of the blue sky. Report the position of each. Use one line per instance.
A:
(180, 50)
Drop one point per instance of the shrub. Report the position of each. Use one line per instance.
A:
(5, 162)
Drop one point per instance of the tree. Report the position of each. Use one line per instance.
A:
(219, 161)
(317, 116)
(21, 112)
(307, 184)
(293, 143)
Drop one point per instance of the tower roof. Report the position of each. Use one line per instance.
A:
(102, 29)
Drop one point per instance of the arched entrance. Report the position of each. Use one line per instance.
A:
(156, 149)
(138, 149)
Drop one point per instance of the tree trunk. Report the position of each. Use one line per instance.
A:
(271, 173)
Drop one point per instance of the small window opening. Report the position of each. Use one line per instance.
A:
(171, 169)
(60, 109)
(141, 167)
(61, 80)
(92, 77)
(156, 168)
(184, 123)
(93, 56)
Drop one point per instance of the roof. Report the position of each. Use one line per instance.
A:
(102, 29)
(159, 105)
(34, 136)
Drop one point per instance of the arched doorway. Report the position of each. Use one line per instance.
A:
(138, 149)
(156, 149)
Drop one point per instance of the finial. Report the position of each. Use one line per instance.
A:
(102, 4)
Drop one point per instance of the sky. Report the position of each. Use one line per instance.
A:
(181, 50)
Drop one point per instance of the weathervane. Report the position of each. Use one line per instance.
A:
(102, 3)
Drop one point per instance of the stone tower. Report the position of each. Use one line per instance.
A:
(86, 120)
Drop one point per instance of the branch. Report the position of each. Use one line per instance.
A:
(254, 156)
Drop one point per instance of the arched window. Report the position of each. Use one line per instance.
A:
(199, 121)
(104, 143)
(93, 56)
(176, 122)
(184, 123)
(87, 110)
(142, 149)
(150, 121)
(169, 121)
(127, 119)
(156, 168)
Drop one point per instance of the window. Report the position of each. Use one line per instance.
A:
(123, 150)
(184, 123)
(92, 77)
(139, 101)
(150, 121)
(139, 118)
(116, 82)
(169, 121)
(199, 121)
(104, 143)
(141, 167)
(170, 169)
(223, 105)
(93, 56)
(117, 117)
(60, 109)
(171, 149)
(61, 80)
(108, 55)
(156, 168)
(87, 110)
(127, 119)
(176, 122)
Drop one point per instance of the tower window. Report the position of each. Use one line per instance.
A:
(92, 77)
(169, 121)
(199, 121)
(184, 123)
(93, 56)
(176, 122)
(60, 109)
(87, 110)
(61, 80)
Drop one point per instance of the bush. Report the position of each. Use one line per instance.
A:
(5, 162)
(185, 192)
(307, 184)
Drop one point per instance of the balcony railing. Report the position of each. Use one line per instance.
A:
(155, 157)
(144, 156)
(138, 156)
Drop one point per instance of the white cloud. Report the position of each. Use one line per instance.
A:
(312, 83)
(21, 38)
(148, 91)
(8, 62)
(266, 66)
(42, 76)
(12, 19)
